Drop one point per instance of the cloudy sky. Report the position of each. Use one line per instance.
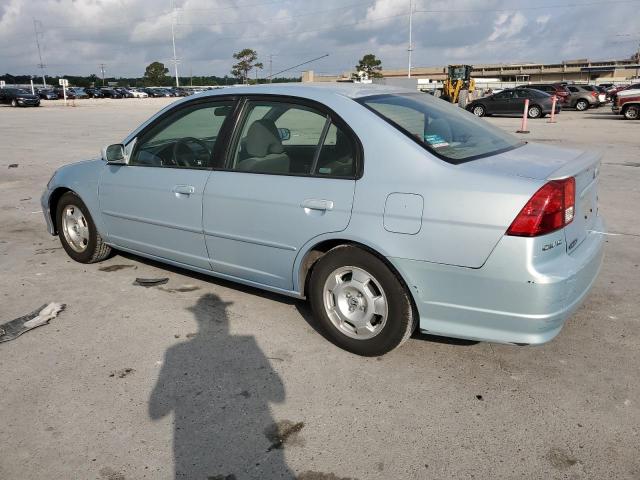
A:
(126, 35)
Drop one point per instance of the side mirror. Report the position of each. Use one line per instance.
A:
(114, 154)
(285, 134)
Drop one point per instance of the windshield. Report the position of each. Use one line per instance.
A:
(447, 131)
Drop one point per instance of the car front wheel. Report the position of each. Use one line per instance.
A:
(359, 302)
(77, 232)
(479, 111)
(14, 103)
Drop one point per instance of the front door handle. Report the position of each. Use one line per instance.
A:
(316, 204)
(183, 190)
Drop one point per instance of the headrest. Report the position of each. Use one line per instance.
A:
(263, 139)
(343, 147)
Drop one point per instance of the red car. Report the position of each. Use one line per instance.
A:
(557, 89)
(627, 103)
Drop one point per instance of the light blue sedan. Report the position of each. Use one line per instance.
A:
(387, 209)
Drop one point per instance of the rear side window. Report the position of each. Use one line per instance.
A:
(285, 138)
(447, 131)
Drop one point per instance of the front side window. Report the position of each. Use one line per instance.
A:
(291, 139)
(184, 139)
(449, 132)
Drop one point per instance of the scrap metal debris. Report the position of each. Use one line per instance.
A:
(14, 328)
(150, 282)
(122, 373)
(284, 431)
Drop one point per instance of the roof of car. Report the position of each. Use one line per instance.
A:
(346, 89)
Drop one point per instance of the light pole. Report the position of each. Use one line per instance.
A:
(410, 49)
(40, 65)
(173, 40)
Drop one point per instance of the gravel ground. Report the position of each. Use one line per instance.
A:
(204, 379)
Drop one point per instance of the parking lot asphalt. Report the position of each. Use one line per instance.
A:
(212, 380)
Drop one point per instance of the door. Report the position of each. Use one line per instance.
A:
(289, 177)
(501, 102)
(517, 103)
(154, 203)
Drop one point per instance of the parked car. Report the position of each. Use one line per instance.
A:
(600, 96)
(557, 89)
(18, 97)
(469, 232)
(60, 92)
(78, 92)
(627, 103)
(94, 92)
(47, 94)
(582, 99)
(511, 102)
(156, 92)
(110, 93)
(620, 88)
(137, 93)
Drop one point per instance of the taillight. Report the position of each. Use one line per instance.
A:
(551, 208)
(594, 94)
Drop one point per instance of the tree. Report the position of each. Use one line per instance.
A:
(156, 74)
(246, 62)
(370, 65)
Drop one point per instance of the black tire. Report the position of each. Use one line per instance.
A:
(632, 112)
(14, 103)
(479, 110)
(96, 250)
(534, 111)
(582, 105)
(400, 321)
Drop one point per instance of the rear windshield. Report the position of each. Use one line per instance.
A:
(447, 131)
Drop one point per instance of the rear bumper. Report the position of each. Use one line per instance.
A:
(522, 295)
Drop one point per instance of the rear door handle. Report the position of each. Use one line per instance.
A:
(183, 190)
(316, 204)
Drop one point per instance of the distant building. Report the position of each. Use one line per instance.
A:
(581, 70)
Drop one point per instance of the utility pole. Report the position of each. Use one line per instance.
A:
(101, 66)
(174, 14)
(41, 66)
(270, 67)
(410, 49)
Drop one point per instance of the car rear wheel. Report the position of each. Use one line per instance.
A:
(632, 113)
(77, 232)
(359, 302)
(582, 105)
(479, 110)
(534, 111)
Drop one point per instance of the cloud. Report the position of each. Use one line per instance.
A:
(127, 35)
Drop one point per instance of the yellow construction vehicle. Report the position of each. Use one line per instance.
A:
(458, 78)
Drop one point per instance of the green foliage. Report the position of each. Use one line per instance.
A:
(246, 62)
(155, 75)
(370, 65)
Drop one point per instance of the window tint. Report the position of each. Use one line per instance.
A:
(504, 95)
(337, 157)
(446, 130)
(280, 138)
(185, 139)
(573, 89)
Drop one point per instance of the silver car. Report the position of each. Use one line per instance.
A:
(387, 209)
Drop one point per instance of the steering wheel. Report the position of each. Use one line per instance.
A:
(184, 144)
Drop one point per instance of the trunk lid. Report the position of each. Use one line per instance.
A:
(544, 163)
(586, 170)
